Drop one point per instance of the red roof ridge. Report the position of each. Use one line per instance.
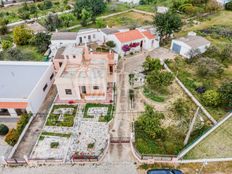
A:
(128, 36)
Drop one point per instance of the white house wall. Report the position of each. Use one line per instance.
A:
(37, 96)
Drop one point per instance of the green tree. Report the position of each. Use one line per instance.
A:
(21, 35)
(226, 94)
(150, 122)
(228, 6)
(6, 44)
(151, 64)
(47, 4)
(95, 7)
(110, 44)
(3, 26)
(167, 23)
(100, 23)
(52, 22)
(211, 98)
(159, 80)
(85, 17)
(67, 19)
(41, 41)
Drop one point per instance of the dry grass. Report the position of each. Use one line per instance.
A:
(217, 145)
(128, 19)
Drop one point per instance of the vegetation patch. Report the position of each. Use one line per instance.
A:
(54, 145)
(105, 118)
(66, 121)
(54, 134)
(14, 134)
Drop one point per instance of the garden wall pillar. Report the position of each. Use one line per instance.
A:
(12, 112)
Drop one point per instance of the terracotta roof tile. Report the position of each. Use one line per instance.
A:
(148, 35)
(129, 36)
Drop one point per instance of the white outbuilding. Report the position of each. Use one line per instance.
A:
(190, 46)
(24, 86)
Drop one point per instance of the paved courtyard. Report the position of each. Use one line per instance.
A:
(44, 150)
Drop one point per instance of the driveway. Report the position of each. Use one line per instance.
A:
(162, 53)
(26, 145)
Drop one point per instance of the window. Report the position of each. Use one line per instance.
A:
(111, 69)
(51, 77)
(94, 36)
(89, 37)
(74, 56)
(80, 39)
(68, 91)
(45, 87)
(60, 64)
(95, 87)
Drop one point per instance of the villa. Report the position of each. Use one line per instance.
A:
(24, 86)
(83, 75)
(126, 41)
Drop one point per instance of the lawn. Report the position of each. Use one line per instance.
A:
(68, 120)
(216, 145)
(106, 118)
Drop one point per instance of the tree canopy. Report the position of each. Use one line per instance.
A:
(21, 35)
(167, 24)
(226, 94)
(150, 122)
(95, 7)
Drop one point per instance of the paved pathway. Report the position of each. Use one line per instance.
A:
(29, 139)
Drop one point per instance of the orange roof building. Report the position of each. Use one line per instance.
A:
(132, 41)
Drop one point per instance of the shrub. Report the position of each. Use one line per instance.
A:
(12, 137)
(54, 145)
(3, 129)
(6, 44)
(211, 98)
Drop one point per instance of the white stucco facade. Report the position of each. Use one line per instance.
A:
(27, 85)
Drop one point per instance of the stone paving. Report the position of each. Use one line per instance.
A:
(58, 129)
(96, 112)
(43, 148)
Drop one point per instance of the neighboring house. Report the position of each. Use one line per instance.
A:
(162, 10)
(134, 41)
(83, 75)
(35, 27)
(146, 37)
(190, 45)
(24, 86)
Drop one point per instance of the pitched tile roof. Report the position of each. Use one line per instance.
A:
(148, 35)
(129, 36)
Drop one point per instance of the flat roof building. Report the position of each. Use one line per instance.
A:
(24, 85)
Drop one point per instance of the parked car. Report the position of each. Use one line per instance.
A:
(164, 171)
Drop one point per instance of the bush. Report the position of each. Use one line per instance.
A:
(6, 44)
(211, 98)
(3, 129)
(228, 6)
(54, 145)
(12, 137)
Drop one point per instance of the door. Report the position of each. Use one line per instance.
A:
(83, 89)
(176, 48)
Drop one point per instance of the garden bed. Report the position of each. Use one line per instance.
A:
(62, 119)
(102, 117)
